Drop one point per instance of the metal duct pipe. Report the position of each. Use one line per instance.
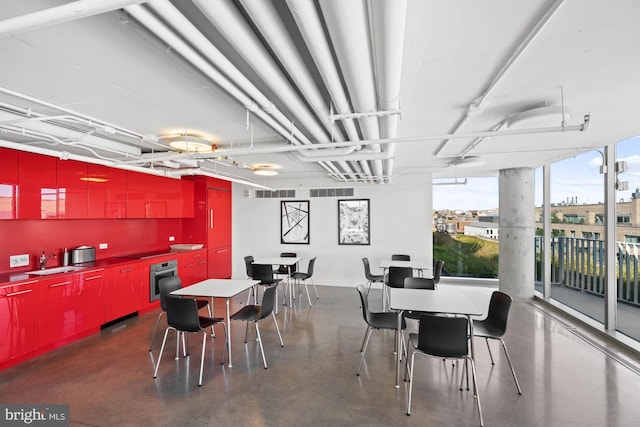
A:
(271, 26)
(363, 155)
(227, 19)
(310, 26)
(349, 32)
(59, 14)
(160, 30)
(388, 22)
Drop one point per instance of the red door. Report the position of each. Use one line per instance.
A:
(18, 319)
(219, 233)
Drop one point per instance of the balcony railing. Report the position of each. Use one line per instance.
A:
(580, 264)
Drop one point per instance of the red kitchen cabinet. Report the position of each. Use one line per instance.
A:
(123, 290)
(57, 300)
(9, 184)
(137, 187)
(37, 186)
(98, 185)
(73, 189)
(219, 263)
(90, 300)
(218, 218)
(186, 198)
(118, 179)
(18, 319)
(157, 197)
(193, 266)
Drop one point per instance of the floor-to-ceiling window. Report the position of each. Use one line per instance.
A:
(628, 237)
(465, 226)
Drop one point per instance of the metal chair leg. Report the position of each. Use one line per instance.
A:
(513, 372)
(275, 322)
(264, 360)
(153, 337)
(164, 340)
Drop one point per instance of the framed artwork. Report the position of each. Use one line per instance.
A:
(353, 222)
(294, 222)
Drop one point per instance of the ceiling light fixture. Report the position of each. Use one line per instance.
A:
(191, 144)
(264, 169)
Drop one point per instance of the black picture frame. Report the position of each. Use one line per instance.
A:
(354, 222)
(294, 222)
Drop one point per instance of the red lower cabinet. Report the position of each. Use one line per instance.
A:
(57, 308)
(219, 266)
(90, 300)
(18, 320)
(123, 290)
(192, 266)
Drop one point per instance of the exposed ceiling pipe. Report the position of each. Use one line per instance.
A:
(526, 42)
(198, 171)
(271, 26)
(365, 155)
(67, 134)
(347, 24)
(388, 23)
(310, 26)
(59, 14)
(164, 33)
(228, 20)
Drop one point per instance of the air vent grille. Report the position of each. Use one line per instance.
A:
(331, 192)
(277, 194)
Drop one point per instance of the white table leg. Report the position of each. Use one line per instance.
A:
(398, 348)
(229, 333)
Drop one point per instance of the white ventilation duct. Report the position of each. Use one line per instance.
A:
(272, 28)
(228, 20)
(347, 23)
(59, 14)
(388, 22)
(164, 33)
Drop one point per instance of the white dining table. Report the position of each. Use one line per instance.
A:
(218, 288)
(451, 301)
(289, 262)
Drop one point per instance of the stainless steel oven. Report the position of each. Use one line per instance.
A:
(157, 272)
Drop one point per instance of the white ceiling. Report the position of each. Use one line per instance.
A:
(466, 67)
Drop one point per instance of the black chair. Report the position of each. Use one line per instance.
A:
(437, 271)
(443, 337)
(183, 317)
(166, 285)
(248, 261)
(399, 257)
(302, 276)
(264, 273)
(371, 278)
(494, 326)
(255, 313)
(417, 283)
(285, 270)
(376, 320)
(396, 275)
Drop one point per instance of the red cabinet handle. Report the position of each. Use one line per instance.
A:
(93, 277)
(211, 219)
(13, 294)
(127, 270)
(221, 251)
(202, 262)
(55, 285)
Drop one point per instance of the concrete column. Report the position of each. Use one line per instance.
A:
(517, 229)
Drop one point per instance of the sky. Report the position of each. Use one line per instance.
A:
(575, 179)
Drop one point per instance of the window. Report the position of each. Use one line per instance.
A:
(623, 219)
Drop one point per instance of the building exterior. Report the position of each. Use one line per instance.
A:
(485, 230)
(587, 220)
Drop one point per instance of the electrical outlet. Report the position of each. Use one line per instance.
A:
(18, 260)
(103, 246)
(172, 238)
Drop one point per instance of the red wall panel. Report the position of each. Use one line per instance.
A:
(124, 236)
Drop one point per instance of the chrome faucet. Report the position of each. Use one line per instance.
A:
(44, 258)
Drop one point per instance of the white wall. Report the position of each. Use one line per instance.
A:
(400, 222)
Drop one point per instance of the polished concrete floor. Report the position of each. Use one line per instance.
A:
(567, 378)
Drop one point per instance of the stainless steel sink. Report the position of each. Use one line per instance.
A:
(55, 270)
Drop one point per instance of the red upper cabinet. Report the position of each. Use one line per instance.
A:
(137, 187)
(117, 193)
(8, 184)
(37, 186)
(157, 197)
(72, 189)
(98, 184)
(186, 198)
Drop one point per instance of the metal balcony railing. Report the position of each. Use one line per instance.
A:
(580, 264)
